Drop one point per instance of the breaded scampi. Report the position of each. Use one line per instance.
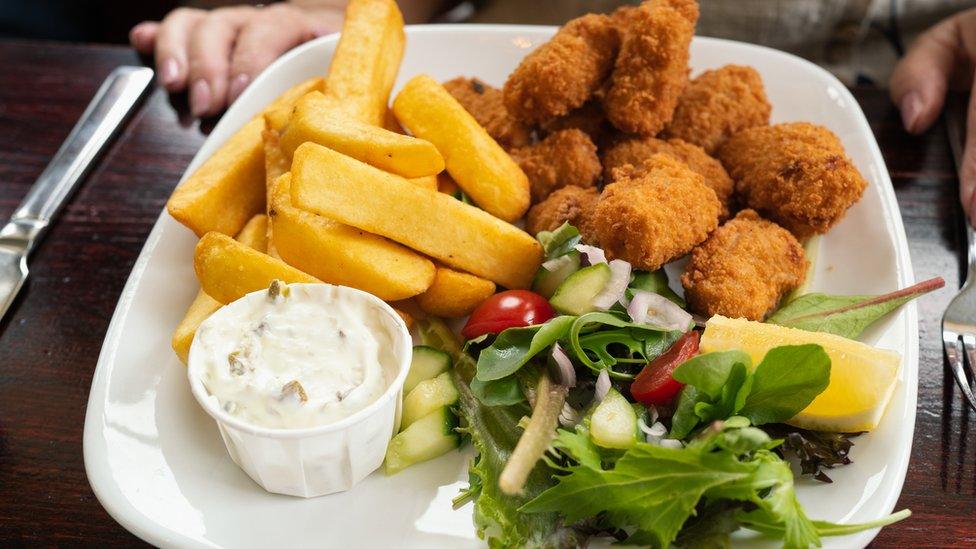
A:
(564, 72)
(656, 217)
(633, 151)
(744, 269)
(564, 158)
(795, 174)
(590, 119)
(651, 70)
(718, 104)
(485, 104)
(574, 205)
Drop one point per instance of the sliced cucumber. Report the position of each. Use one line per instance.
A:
(614, 422)
(546, 282)
(427, 362)
(575, 295)
(427, 396)
(430, 436)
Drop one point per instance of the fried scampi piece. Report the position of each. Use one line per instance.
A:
(718, 104)
(656, 217)
(651, 70)
(589, 119)
(625, 158)
(485, 104)
(795, 174)
(563, 73)
(574, 205)
(744, 269)
(564, 158)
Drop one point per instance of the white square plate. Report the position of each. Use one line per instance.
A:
(155, 459)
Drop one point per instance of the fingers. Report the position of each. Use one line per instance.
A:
(263, 40)
(279, 28)
(172, 39)
(143, 37)
(921, 78)
(210, 46)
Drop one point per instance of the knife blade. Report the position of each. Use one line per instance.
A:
(113, 102)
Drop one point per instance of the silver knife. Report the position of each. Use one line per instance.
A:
(104, 115)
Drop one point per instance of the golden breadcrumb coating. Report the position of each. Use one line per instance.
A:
(589, 119)
(744, 269)
(485, 104)
(656, 217)
(651, 70)
(563, 73)
(633, 151)
(795, 174)
(568, 204)
(718, 104)
(564, 158)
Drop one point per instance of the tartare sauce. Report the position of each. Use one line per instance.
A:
(296, 356)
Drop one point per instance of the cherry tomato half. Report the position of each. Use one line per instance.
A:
(654, 385)
(508, 309)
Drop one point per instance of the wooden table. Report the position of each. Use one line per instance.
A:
(50, 342)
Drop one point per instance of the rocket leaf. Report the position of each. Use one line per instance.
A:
(846, 315)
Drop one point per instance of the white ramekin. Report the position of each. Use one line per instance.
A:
(312, 461)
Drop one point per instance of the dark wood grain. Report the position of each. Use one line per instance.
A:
(50, 342)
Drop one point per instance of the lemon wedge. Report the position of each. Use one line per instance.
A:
(862, 378)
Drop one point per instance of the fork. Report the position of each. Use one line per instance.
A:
(959, 320)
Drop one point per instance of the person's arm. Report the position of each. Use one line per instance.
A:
(215, 54)
(940, 58)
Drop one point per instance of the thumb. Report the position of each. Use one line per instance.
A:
(920, 80)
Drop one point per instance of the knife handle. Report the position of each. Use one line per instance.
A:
(102, 118)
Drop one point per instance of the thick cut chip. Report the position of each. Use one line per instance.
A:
(462, 236)
(278, 113)
(252, 235)
(340, 254)
(367, 59)
(454, 294)
(228, 189)
(316, 120)
(477, 162)
(228, 270)
(275, 165)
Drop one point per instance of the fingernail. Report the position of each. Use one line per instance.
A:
(238, 84)
(911, 109)
(200, 97)
(169, 73)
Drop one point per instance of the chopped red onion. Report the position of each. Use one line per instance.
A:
(592, 254)
(569, 416)
(616, 287)
(564, 372)
(657, 310)
(555, 263)
(602, 386)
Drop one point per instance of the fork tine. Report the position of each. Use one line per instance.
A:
(969, 344)
(954, 352)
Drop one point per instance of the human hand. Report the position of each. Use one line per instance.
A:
(941, 58)
(216, 54)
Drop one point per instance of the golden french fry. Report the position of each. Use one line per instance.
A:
(228, 269)
(428, 182)
(467, 238)
(367, 59)
(279, 112)
(252, 235)
(275, 165)
(340, 254)
(454, 294)
(477, 163)
(316, 120)
(228, 189)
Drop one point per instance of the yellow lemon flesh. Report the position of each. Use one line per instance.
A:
(862, 378)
